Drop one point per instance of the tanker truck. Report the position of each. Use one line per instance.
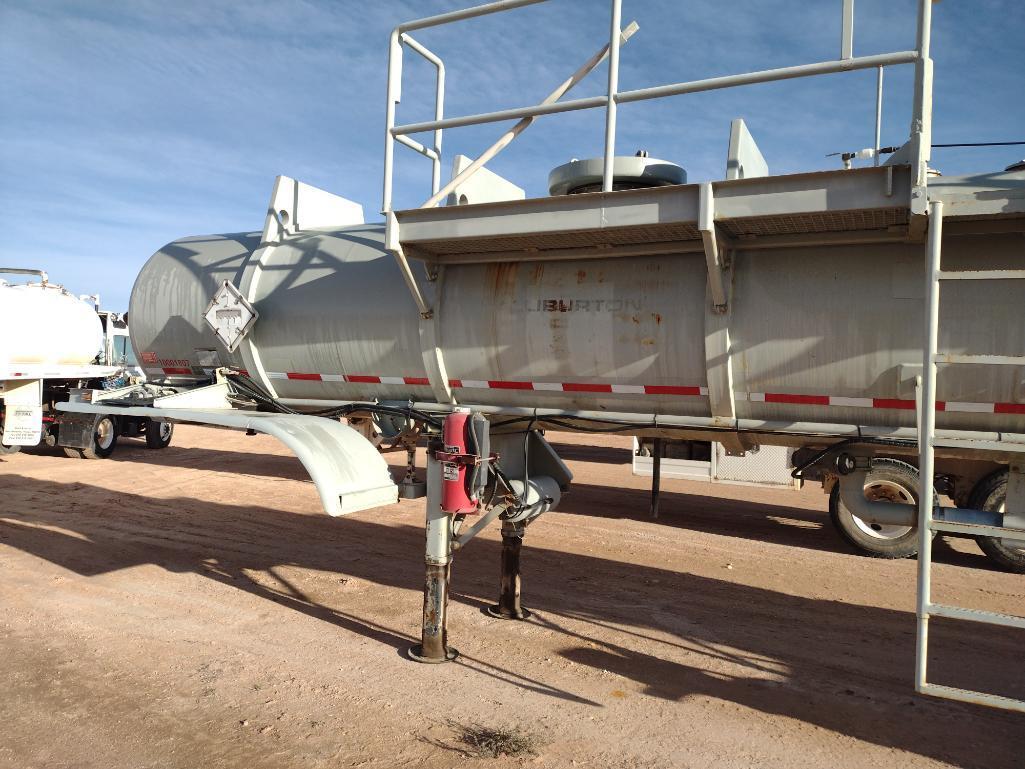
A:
(798, 310)
(56, 344)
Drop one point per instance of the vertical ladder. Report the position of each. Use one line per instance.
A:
(927, 441)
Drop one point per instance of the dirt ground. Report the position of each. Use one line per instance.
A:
(194, 608)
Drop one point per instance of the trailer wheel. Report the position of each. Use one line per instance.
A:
(104, 440)
(158, 434)
(991, 494)
(889, 480)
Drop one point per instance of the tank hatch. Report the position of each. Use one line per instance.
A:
(628, 173)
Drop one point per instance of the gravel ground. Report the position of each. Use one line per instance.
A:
(193, 608)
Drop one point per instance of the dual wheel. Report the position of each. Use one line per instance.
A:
(105, 435)
(891, 480)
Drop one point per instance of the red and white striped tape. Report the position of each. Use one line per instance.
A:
(880, 403)
(497, 384)
(678, 390)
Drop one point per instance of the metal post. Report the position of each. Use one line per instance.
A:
(656, 475)
(394, 94)
(925, 447)
(921, 118)
(610, 105)
(508, 606)
(433, 646)
(879, 112)
(847, 33)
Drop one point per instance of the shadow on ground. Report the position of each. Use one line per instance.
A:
(781, 523)
(838, 666)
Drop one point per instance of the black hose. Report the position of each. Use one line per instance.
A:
(797, 472)
(261, 397)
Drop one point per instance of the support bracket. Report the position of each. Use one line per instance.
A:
(714, 260)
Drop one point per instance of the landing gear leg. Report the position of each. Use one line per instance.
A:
(433, 646)
(509, 599)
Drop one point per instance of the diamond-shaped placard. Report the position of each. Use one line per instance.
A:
(230, 316)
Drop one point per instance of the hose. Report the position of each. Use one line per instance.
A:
(797, 472)
(262, 398)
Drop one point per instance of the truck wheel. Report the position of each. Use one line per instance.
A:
(991, 494)
(889, 480)
(104, 440)
(158, 434)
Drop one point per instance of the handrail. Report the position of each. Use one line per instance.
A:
(672, 89)
(43, 277)
(921, 123)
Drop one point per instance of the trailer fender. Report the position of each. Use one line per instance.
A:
(349, 473)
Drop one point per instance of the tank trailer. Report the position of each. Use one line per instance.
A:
(64, 348)
(799, 310)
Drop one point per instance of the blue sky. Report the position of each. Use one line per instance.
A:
(128, 123)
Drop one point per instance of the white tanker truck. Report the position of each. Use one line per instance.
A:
(799, 310)
(55, 344)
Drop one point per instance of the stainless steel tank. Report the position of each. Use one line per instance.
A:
(827, 335)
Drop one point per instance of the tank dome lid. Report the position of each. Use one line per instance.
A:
(628, 173)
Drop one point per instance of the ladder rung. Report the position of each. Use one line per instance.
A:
(977, 529)
(968, 443)
(967, 695)
(983, 360)
(980, 274)
(975, 615)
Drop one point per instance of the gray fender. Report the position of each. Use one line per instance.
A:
(349, 473)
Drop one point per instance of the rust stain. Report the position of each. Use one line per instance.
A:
(537, 272)
(581, 276)
(502, 279)
(657, 316)
(648, 341)
(635, 319)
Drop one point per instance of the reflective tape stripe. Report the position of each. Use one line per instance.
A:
(977, 408)
(798, 399)
(859, 403)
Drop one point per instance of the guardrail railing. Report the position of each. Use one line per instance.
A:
(921, 123)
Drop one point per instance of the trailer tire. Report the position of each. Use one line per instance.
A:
(890, 480)
(991, 494)
(105, 434)
(158, 434)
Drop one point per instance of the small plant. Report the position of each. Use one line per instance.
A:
(489, 742)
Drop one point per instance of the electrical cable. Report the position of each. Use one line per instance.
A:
(258, 395)
(797, 472)
(981, 144)
(261, 397)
